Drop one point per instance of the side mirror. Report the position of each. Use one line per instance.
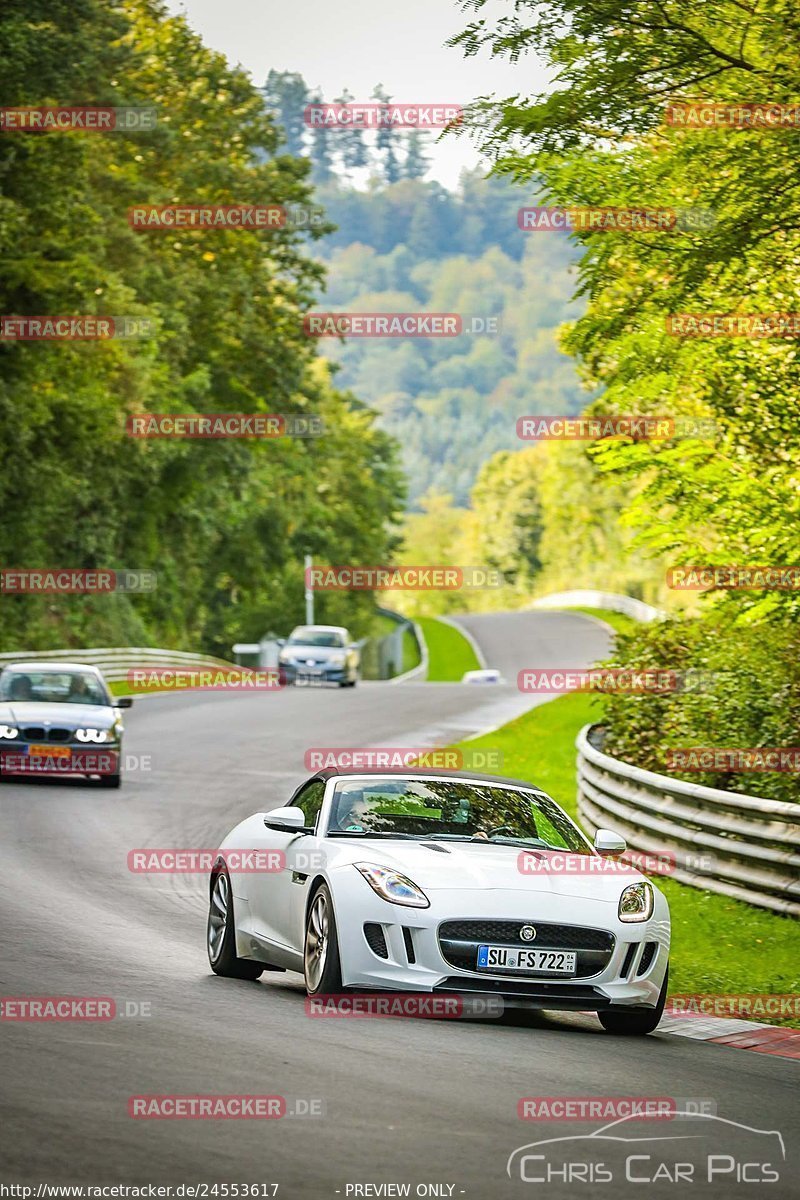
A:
(608, 842)
(280, 641)
(123, 702)
(289, 819)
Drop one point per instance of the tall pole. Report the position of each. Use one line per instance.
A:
(309, 593)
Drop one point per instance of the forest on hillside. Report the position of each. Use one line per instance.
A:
(402, 243)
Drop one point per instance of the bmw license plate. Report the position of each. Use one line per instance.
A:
(519, 958)
(37, 751)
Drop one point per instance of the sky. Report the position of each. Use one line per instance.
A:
(358, 43)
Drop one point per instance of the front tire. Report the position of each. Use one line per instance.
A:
(322, 966)
(636, 1022)
(221, 934)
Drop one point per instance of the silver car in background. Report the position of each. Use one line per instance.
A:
(318, 654)
(59, 720)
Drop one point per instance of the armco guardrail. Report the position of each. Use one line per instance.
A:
(740, 846)
(614, 602)
(115, 662)
(382, 658)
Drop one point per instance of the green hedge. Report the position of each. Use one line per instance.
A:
(751, 699)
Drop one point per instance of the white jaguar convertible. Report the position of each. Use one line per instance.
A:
(441, 884)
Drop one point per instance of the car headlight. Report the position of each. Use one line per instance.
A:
(392, 886)
(93, 735)
(8, 731)
(338, 660)
(636, 902)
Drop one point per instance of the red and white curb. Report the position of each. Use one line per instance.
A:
(729, 1031)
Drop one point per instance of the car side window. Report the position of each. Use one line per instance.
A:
(310, 801)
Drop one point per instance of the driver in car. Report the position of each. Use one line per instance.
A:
(351, 811)
(21, 688)
(79, 692)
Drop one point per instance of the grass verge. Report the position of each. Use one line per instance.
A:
(719, 946)
(449, 652)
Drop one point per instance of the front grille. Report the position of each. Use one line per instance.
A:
(376, 939)
(561, 937)
(459, 941)
(37, 733)
(647, 957)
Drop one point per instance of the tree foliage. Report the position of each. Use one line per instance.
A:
(224, 523)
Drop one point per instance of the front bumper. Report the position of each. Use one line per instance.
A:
(313, 676)
(628, 971)
(79, 762)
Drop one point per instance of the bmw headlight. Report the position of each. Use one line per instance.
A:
(636, 902)
(8, 732)
(392, 886)
(93, 735)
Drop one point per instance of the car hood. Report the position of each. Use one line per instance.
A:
(68, 716)
(318, 653)
(480, 867)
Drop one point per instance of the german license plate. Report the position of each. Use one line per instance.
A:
(37, 751)
(518, 958)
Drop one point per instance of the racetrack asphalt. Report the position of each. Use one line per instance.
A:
(407, 1101)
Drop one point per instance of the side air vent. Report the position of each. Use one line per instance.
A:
(647, 957)
(627, 962)
(376, 939)
(409, 941)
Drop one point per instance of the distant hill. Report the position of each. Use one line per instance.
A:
(413, 245)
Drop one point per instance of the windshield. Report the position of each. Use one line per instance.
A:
(316, 637)
(452, 809)
(53, 687)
